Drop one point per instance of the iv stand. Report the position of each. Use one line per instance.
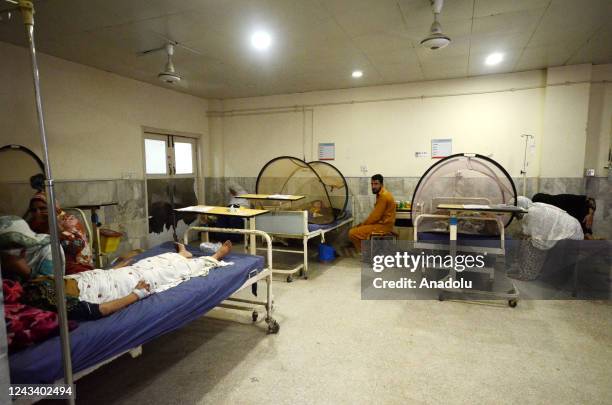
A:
(27, 12)
(525, 164)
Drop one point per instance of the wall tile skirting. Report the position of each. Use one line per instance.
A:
(129, 216)
(600, 188)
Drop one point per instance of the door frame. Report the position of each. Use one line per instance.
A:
(198, 164)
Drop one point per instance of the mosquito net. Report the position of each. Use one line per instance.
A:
(335, 185)
(18, 165)
(463, 179)
(322, 185)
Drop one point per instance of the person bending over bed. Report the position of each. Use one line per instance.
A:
(98, 293)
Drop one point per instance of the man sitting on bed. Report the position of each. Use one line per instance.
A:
(97, 293)
(381, 219)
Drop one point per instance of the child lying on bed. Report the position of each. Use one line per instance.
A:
(97, 293)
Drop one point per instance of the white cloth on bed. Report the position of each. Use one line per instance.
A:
(160, 272)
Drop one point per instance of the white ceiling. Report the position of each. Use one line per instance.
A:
(317, 43)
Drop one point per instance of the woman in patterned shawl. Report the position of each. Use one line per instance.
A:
(73, 237)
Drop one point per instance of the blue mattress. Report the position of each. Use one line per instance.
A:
(316, 227)
(462, 239)
(95, 341)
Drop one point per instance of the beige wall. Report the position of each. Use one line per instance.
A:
(599, 129)
(382, 127)
(566, 109)
(94, 118)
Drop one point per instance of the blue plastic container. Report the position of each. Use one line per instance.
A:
(326, 253)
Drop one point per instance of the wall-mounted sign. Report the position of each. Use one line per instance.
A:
(441, 148)
(421, 154)
(327, 151)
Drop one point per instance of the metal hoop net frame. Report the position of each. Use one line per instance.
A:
(323, 185)
(464, 178)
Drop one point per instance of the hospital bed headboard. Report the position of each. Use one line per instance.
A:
(283, 222)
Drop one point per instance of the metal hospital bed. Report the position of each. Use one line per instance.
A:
(325, 204)
(447, 218)
(294, 225)
(99, 342)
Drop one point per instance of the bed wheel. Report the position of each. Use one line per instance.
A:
(289, 279)
(512, 303)
(254, 316)
(273, 326)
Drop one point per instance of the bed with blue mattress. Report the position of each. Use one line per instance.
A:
(95, 342)
(294, 225)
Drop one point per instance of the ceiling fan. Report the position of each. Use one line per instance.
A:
(436, 39)
(169, 74)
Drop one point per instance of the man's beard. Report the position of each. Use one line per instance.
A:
(375, 191)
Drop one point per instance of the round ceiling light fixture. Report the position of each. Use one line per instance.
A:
(261, 40)
(494, 58)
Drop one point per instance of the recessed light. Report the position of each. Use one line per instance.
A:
(494, 58)
(357, 74)
(261, 40)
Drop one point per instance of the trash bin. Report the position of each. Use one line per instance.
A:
(109, 240)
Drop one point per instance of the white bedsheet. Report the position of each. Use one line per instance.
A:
(160, 272)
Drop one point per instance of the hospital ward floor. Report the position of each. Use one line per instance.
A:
(335, 348)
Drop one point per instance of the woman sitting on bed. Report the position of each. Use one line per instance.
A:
(97, 293)
(73, 237)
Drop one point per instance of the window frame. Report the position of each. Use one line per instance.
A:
(156, 137)
(170, 140)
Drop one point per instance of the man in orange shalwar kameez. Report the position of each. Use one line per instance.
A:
(381, 219)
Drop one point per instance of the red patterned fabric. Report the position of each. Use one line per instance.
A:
(12, 291)
(73, 236)
(26, 325)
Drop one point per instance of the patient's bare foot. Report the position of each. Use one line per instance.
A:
(223, 250)
(182, 250)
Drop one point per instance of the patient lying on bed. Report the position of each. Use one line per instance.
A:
(97, 293)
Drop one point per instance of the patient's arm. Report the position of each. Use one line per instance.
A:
(113, 306)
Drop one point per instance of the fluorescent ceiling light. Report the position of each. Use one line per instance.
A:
(494, 58)
(261, 40)
(357, 74)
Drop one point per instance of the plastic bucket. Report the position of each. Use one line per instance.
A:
(326, 253)
(109, 240)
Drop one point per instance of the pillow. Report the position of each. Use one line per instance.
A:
(15, 232)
